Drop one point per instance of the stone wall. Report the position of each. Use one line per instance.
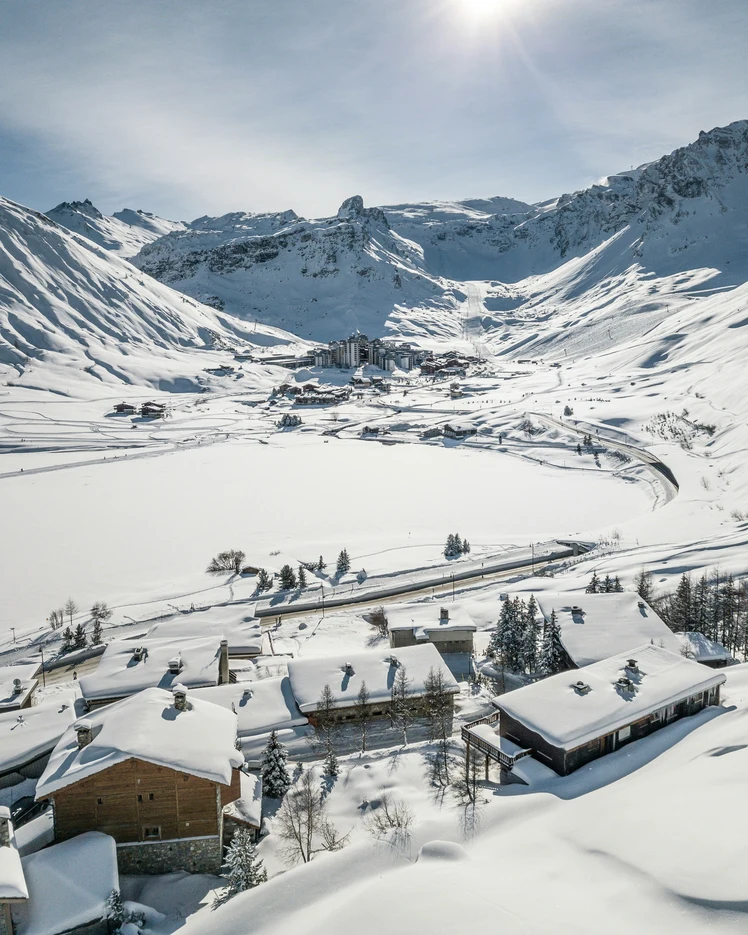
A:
(195, 855)
(6, 926)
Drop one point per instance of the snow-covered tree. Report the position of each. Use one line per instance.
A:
(96, 632)
(275, 778)
(302, 576)
(449, 548)
(230, 560)
(594, 586)
(344, 563)
(67, 640)
(321, 564)
(242, 867)
(400, 711)
(644, 586)
(552, 655)
(114, 911)
(331, 763)
(362, 712)
(465, 547)
(287, 578)
(531, 627)
(617, 586)
(264, 581)
(80, 639)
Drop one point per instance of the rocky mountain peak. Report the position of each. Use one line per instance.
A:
(353, 208)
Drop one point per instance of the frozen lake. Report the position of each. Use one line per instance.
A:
(140, 529)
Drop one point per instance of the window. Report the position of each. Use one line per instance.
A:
(152, 833)
(624, 734)
(150, 797)
(99, 801)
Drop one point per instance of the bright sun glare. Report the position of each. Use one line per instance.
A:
(482, 9)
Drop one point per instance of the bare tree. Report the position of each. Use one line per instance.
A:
(378, 619)
(57, 619)
(70, 608)
(325, 720)
(400, 711)
(302, 822)
(439, 704)
(231, 560)
(387, 815)
(362, 713)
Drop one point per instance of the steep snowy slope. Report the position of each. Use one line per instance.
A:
(316, 278)
(66, 303)
(124, 233)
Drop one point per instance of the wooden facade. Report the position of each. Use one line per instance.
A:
(567, 761)
(136, 801)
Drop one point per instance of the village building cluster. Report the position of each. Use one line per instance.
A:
(358, 349)
(150, 769)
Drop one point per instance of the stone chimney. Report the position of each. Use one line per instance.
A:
(83, 732)
(444, 615)
(4, 826)
(223, 663)
(180, 697)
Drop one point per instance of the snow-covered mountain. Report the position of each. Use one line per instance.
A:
(124, 233)
(316, 278)
(65, 303)
(395, 268)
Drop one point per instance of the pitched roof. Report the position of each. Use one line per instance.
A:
(147, 726)
(26, 675)
(244, 638)
(426, 618)
(607, 624)
(310, 675)
(248, 807)
(568, 718)
(12, 881)
(119, 673)
(261, 706)
(68, 883)
(702, 649)
(28, 734)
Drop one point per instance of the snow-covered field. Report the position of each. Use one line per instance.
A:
(145, 528)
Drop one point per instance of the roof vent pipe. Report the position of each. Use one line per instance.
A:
(17, 687)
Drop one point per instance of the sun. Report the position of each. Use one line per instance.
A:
(482, 9)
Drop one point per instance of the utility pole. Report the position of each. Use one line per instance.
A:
(13, 631)
(532, 546)
(453, 585)
(44, 675)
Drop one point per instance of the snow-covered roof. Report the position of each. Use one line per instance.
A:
(426, 618)
(310, 675)
(702, 649)
(119, 673)
(608, 624)
(568, 718)
(244, 638)
(68, 884)
(261, 706)
(12, 881)
(248, 807)
(28, 734)
(147, 726)
(26, 675)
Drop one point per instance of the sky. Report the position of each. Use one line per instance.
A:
(193, 107)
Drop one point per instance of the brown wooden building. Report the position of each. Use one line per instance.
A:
(155, 772)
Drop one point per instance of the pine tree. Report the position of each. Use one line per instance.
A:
(287, 578)
(331, 763)
(302, 576)
(681, 605)
(458, 544)
(67, 640)
(530, 635)
(264, 581)
(513, 636)
(114, 910)
(344, 563)
(79, 637)
(552, 655)
(275, 779)
(617, 586)
(594, 586)
(465, 547)
(643, 585)
(607, 586)
(243, 868)
(321, 564)
(96, 632)
(449, 548)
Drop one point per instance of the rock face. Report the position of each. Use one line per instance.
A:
(389, 268)
(124, 234)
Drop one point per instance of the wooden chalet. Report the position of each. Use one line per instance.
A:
(18, 684)
(575, 717)
(155, 772)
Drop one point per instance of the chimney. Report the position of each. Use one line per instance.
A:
(632, 665)
(175, 664)
(4, 826)
(444, 615)
(17, 687)
(348, 668)
(393, 661)
(223, 664)
(83, 732)
(180, 697)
